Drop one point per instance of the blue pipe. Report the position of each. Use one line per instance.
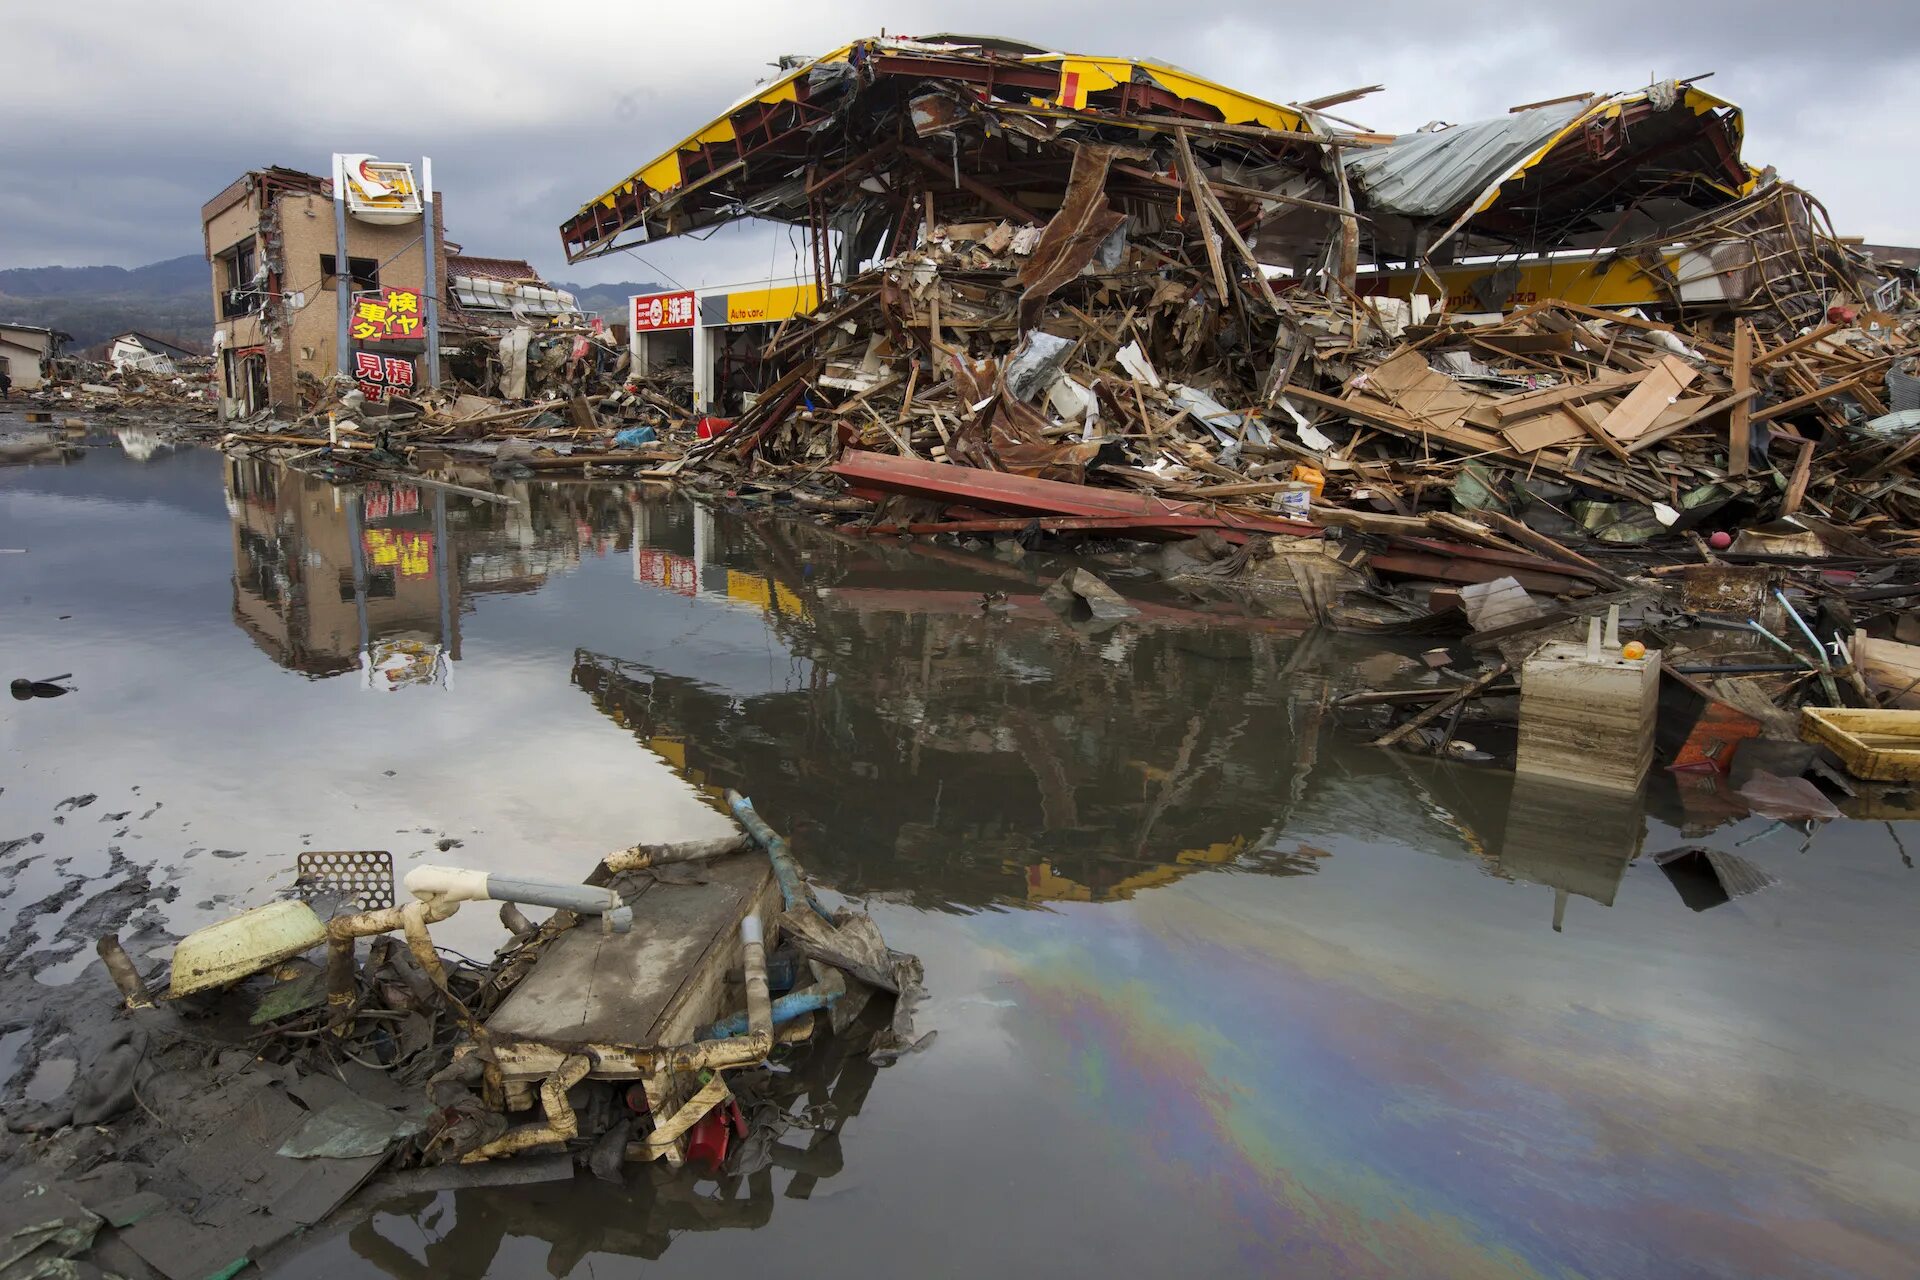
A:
(793, 886)
(785, 1009)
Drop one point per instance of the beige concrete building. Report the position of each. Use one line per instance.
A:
(270, 238)
(25, 351)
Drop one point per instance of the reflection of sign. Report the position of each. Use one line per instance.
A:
(407, 551)
(764, 592)
(663, 311)
(381, 376)
(655, 568)
(389, 316)
(394, 664)
(385, 500)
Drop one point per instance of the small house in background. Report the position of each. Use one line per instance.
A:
(26, 350)
(133, 350)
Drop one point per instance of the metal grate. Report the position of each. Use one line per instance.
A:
(366, 874)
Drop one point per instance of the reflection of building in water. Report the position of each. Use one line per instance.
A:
(957, 748)
(957, 754)
(1573, 840)
(330, 579)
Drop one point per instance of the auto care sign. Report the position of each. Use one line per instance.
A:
(653, 312)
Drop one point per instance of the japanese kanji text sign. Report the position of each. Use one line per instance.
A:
(388, 316)
(663, 311)
(381, 376)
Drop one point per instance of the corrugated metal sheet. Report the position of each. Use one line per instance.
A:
(477, 293)
(1429, 175)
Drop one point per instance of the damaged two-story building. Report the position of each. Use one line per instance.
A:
(272, 240)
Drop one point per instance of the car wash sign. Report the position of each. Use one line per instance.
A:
(653, 312)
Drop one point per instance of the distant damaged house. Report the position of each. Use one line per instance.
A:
(26, 351)
(148, 354)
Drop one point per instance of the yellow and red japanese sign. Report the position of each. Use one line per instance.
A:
(408, 551)
(392, 315)
(655, 311)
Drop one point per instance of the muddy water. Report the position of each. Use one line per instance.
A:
(1219, 991)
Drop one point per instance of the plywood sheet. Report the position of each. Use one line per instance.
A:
(596, 987)
(1641, 407)
(1409, 385)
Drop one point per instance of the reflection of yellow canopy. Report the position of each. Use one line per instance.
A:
(1056, 81)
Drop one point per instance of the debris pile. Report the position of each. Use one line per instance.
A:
(286, 1061)
(1124, 291)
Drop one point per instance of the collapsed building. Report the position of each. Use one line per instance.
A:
(1114, 273)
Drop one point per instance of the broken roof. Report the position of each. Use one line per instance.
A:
(462, 264)
(777, 150)
(1560, 174)
(1438, 170)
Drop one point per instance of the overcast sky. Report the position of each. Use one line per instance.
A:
(117, 120)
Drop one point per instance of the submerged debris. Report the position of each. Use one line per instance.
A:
(284, 1062)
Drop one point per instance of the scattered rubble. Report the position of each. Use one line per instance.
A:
(284, 1061)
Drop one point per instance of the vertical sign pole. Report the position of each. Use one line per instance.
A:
(342, 270)
(432, 275)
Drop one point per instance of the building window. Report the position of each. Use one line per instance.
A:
(365, 272)
(238, 296)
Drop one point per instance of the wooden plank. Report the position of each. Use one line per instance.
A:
(1786, 349)
(1740, 425)
(1658, 433)
(1797, 485)
(1233, 236)
(1441, 707)
(1407, 383)
(1647, 401)
(1490, 606)
(1535, 402)
(1191, 172)
(1544, 430)
(1798, 403)
(1549, 547)
(1596, 426)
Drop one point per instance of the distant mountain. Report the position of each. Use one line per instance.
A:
(172, 300)
(608, 301)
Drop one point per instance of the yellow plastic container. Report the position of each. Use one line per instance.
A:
(229, 951)
(1311, 476)
(1880, 746)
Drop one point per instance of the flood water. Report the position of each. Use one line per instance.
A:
(1219, 989)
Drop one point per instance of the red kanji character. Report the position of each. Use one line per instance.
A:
(399, 372)
(366, 365)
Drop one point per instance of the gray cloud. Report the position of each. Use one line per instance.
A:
(123, 118)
